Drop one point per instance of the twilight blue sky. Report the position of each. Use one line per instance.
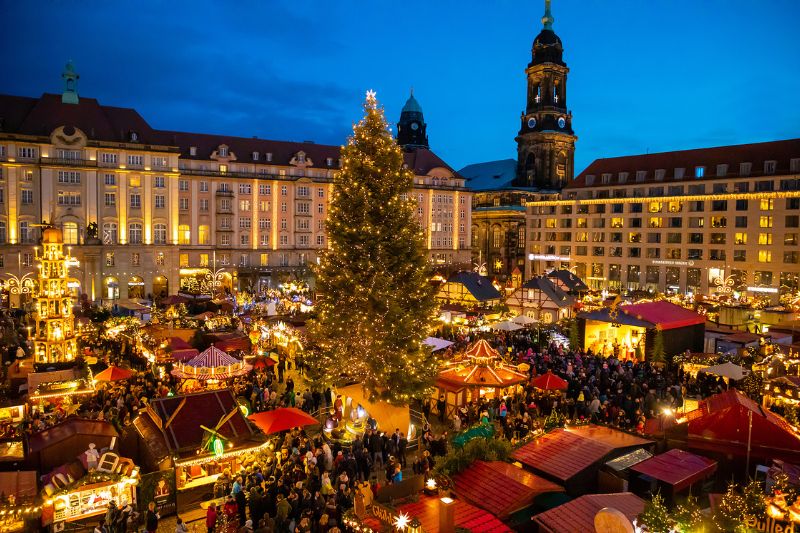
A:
(645, 74)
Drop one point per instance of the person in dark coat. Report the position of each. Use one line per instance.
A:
(241, 503)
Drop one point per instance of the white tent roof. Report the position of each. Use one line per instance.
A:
(727, 370)
(505, 325)
(524, 320)
(437, 344)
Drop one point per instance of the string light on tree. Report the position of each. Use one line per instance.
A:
(375, 305)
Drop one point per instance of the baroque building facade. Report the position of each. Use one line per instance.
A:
(148, 211)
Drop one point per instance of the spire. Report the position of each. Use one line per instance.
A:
(547, 19)
(70, 77)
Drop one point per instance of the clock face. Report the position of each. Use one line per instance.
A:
(561, 122)
(531, 122)
(414, 126)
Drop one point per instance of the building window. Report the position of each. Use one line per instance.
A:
(183, 185)
(202, 234)
(283, 207)
(245, 188)
(158, 182)
(184, 234)
(109, 259)
(193, 150)
(136, 259)
(225, 239)
(740, 255)
(284, 240)
(3, 233)
(203, 204)
(744, 169)
(244, 223)
(160, 259)
(223, 151)
(203, 260)
(110, 199)
(70, 230)
(769, 167)
(109, 158)
(160, 201)
(320, 240)
(27, 196)
(27, 259)
(742, 205)
(765, 222)
(136, 160)
(135, 233)
(26, 152)
(136, 200)
(183, 260)
(183, 204)
(264, 239)
(303, 191)
(264, 189)
(159, 161)
(68, 198)
(110, 233)
(69, 176)
(244, 239)
(792, 221)
(699, 172)
(284, 190)
(160, 233)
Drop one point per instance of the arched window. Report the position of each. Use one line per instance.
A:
(135, 233)
(70, 230)
(184, 234)
(160, 233)
(110, 233)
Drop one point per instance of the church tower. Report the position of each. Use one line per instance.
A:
(411, 130)
(546, 142)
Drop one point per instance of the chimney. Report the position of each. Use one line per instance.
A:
(447, 515)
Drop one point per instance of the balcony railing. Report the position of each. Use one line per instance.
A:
(66, 161)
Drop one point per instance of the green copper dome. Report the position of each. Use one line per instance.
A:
(412, 106)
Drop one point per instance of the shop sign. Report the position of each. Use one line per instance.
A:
(770, 525)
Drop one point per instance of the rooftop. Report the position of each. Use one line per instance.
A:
(578, 514)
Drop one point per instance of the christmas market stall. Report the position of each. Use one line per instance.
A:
(479, 372)
(611, 512)
(671, 473)
(60, 389)
(355, 409)
(783, 394)
(572, 457)
(20, 506)
(210, 369)
(631, 331)
(201, 436)
(500, 487)
(731, 423)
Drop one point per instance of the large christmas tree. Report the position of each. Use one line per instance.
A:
(375, 304)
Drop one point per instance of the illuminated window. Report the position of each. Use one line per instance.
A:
(203, 260)
(765, 238)
(135, 233)
(764, 256)
(202, 234)
(616, 222)
(109, 259)
(183, 260)
(767, 204)
(656, 222)
(160, 233)
(70, 233)
(223, 169)
(160, 258)
(264, 260)
(654, 207)
(184, 234)
(553, 223)
(740, 238)
(699, 172)
(765, 222)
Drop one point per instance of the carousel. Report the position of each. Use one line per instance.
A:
(211, 369)
(477, 373)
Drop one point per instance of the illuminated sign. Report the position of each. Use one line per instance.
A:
(548, 257)
(769, 290)
(672, 263)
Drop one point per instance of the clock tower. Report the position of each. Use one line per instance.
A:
(546, 142)
(411, 128)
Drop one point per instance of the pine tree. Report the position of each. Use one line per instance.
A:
(657, 355)
(656, 517)
(729, 514)
(375, 304)
(574, 335)
(754, 503)
(689, 517)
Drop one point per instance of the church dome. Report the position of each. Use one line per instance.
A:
(412, 106)
(547, 48)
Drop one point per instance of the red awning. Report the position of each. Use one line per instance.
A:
(677, 468)
(282, 419)
(114, 373)
(664, 314)
(549, 381)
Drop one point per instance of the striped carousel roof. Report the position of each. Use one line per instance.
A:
(213, 357)
(482, 348)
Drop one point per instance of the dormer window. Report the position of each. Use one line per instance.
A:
(134, 136)
(744, 169)
(722, 170)
(622, 177)
(679, 172)
(223, 151)
(660, 174)
(699, 172)
(193, 150)
(769, 167)
(329, 161)
(794, 165)
(269, 156)
(590, 179)
(605, 179)
(255, 156)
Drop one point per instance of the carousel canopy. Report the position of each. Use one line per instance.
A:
(482, 348)
(213, 357)
(481, 375)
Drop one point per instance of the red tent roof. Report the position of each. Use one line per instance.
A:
(664, 314)
(500, 487)
(562, 454)
(426, 510)
(578, 514)
(549, 381)
(213, 357)
(482, 348)
(722, 424)
(677, 468)
(282, 419)
(114, 373)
